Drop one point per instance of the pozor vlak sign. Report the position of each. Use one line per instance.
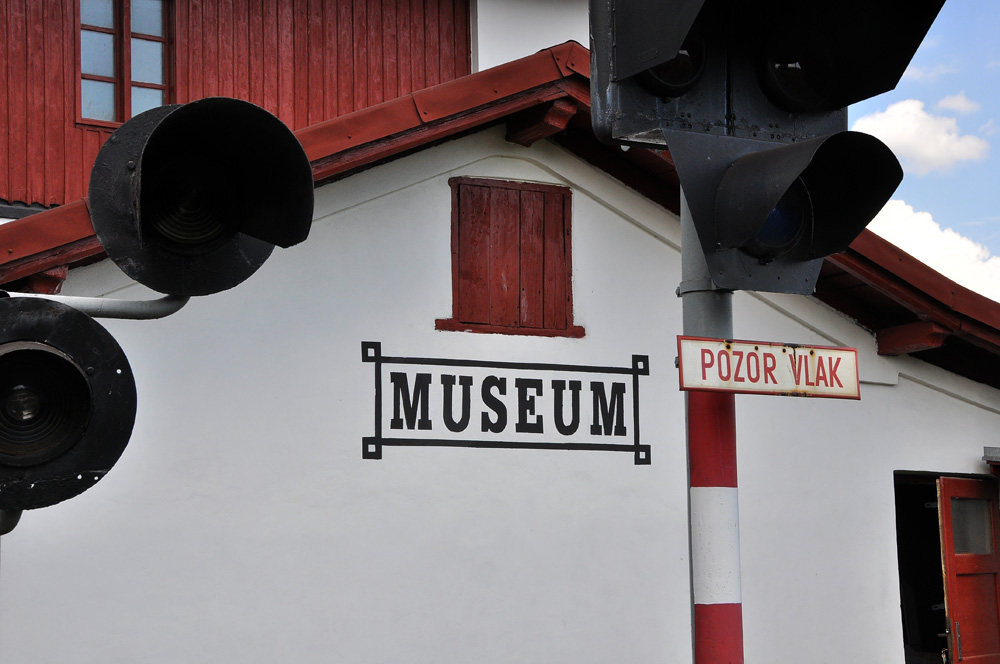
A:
(760, 367)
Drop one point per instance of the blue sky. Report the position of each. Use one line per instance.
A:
(943, 123)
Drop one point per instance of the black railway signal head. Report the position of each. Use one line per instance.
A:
(191, 199)
(750, 98)
(186, 199)
(67, 402)
(776, 213)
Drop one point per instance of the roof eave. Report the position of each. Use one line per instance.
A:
(545, 95)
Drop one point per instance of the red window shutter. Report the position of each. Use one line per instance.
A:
(471, 237)
(504, 265)
(556, 262)
(511, 258)
(532, 259)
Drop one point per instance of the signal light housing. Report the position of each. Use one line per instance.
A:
(191, 199)
(67, 402)
(187, 200)
(750, 97)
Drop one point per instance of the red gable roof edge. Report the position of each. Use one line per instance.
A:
(64, 235)
(930, 296)
(514, 92)
(426, 116)
(39, 242)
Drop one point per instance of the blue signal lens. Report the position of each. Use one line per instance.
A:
(784, 226)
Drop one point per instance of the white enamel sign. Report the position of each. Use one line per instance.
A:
(763, 367)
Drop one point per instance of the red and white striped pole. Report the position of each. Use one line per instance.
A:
(714, 528)
(713, 505)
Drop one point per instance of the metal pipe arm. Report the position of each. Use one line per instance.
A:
(103, 307)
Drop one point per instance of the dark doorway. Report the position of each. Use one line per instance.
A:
(921, 585)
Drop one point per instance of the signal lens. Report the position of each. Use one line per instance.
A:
(784, 226)
(797, 79)
(675, 77)
(180, 203)
(44, 403)
(21, 404)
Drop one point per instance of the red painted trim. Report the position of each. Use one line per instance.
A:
(352, 142)
(711, 422)
(487, 86)
(718, 634)
(452, 325)
(69, 254)
(432, 114)
(894, 288)
(571, 58)
(541, 122)
(38, 233)
(347, 132)
(915, 286)
(911, 338)
(49, 282)
(351, 158)
(925, 279)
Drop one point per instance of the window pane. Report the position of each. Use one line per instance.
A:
(147, 17)
(97, 53)
(97, 12)
(971, 525)
(147, 61)
(98, 100)
(144, 99)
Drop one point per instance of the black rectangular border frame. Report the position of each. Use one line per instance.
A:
(372, 446)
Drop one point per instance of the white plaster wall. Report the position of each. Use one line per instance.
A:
(505, 30)
(242, 523)
(817, 516)
(820, 574)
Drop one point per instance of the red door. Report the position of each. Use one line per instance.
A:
(971, 560)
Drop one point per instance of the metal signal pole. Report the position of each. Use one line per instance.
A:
(713, 505)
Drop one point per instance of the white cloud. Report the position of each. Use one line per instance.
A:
(925, 74)
(931, 41)
(955, 256)
(959, 103)
(922, 142)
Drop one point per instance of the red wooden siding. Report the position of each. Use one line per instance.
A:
(511, 258)
(304, 60)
